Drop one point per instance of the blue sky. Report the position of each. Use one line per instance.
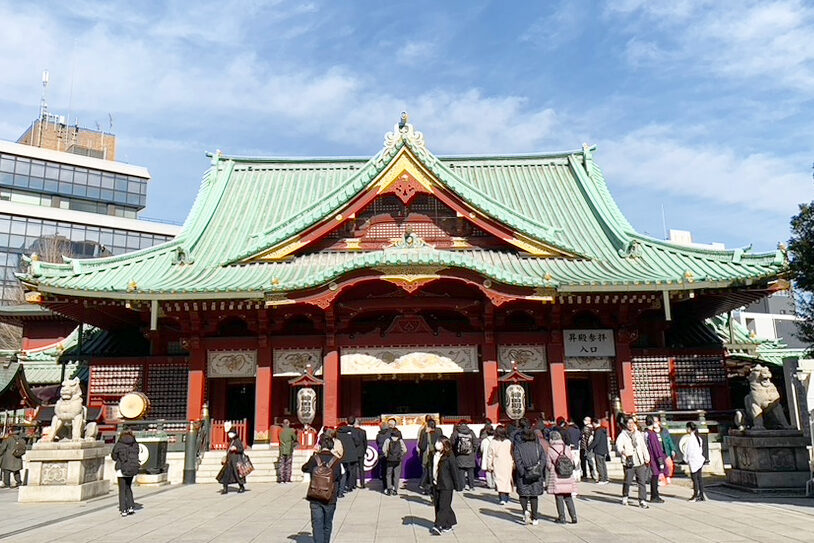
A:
(704, 108)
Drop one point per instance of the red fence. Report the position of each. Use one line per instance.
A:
(219, 441)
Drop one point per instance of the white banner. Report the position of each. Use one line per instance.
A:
(588, 343)
(382, 360)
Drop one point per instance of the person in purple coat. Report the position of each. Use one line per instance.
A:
(658, 459)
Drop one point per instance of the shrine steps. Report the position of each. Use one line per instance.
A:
(265, 465)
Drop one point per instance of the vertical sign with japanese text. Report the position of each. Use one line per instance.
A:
(588, 343)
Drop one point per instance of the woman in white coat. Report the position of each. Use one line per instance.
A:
(486, 441)
(693, 451)
(501, 463)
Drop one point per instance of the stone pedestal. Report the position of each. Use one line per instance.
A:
(65, 471)
(768, 460)
(150, 479)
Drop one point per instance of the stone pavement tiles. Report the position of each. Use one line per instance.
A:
(278, 513)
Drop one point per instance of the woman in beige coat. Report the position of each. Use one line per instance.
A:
(501, 463)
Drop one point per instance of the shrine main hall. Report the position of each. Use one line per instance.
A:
(409, 283)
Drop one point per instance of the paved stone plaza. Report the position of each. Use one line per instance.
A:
(278, 513)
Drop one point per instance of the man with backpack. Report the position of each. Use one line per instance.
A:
(465, 446)
(393, 452)
(12, 450)
(322, 490)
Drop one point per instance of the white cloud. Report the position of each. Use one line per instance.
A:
(651, 158)
(415, 52)
(768, 44)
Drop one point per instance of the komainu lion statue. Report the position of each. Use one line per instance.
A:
(69, 416)
(763, 402)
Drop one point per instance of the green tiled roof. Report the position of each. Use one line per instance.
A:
(246, 205)
(744, 344)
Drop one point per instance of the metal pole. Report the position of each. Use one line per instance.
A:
(191, 455)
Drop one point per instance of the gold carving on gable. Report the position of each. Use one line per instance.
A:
(280, 251)
(406, 173)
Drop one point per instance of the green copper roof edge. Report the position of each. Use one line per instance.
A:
(617, 233)
(245, 159)
(723, 253)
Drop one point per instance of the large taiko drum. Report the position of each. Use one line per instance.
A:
(134, 405)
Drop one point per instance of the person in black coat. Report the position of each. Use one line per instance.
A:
(527, 455)
(228, 474)
(361, 439)
(426, 443)
(465, 446)
(381, 437)
(125, 455)
(445, 478)
(350, 458)
(322, 514)
(598, 446)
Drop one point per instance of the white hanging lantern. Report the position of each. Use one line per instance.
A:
(306, 405)
(515, 401)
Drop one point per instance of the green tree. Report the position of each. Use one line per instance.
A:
(801, 266)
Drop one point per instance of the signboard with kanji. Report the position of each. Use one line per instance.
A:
(588, 343)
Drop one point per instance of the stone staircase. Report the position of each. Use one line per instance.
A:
(265, 465)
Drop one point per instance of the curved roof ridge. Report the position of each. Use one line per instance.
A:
(708, 251)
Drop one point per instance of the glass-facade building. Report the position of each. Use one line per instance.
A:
(54, 203)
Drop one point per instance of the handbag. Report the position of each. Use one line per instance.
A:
(536, 472)
(244, 465)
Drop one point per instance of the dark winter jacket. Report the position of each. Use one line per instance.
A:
(572, 436)
(449, 476)
(361, 439)
(667, 443)
(228, 474)
(656, 451)
(125, 455)
(599, 442)
(288, 440)
(465, 460)
(8, 461)
(382, 436)
(427, 443)
(350, 443)
(527, 454)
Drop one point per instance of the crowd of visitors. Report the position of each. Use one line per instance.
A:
(523, 458)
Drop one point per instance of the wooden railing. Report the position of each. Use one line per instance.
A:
(219, 441)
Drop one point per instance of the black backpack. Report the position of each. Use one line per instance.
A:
(536, 472)
(464, 444)
(394, 452)
(563, 466)
(321, 487)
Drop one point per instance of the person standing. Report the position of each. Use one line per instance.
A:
(445, 478)
(657, 459)
(322, 511)
(587, 466)
(361, 439)
(561, 476)
(632, 448)
(487, 429)
(229, 474)
(598, 447)
(573, 438)
(12, 450)
(384, 432)
(692, 448)
(501, 463)
(530, 460)
(288, 440)
(426, 446)
(485, 443)
(125, 456)
(465, 445)
(394, 450)
(350, 459)
(670, 450)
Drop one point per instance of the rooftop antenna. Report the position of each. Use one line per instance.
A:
(43, 105)
(663, 222)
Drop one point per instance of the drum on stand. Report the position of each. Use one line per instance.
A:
(134, 405)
